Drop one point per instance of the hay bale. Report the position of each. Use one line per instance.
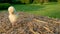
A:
(29, 24)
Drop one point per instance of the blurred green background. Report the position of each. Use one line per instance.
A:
(49, 8)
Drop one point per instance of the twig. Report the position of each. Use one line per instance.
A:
(39, 20)
(48, 29)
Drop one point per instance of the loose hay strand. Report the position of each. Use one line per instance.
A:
(48, 29)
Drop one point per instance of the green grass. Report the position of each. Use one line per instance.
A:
(51, 10)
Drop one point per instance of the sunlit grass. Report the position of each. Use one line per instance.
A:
(52, 10)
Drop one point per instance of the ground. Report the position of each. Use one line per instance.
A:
(29, 24)
(34, 19)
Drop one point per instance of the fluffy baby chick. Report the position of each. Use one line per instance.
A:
(12, 15)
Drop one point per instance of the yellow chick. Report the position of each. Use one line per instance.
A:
(12, 15)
